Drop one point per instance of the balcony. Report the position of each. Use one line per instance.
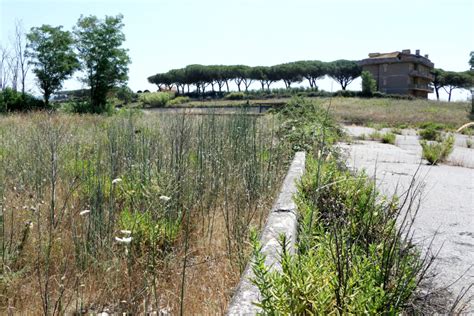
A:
(425, 75)
(421, 87)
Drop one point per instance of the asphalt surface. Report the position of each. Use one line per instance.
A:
(447, 205)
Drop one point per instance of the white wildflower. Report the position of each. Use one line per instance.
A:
(114, 181)
(126, 232)
(84, 212)
(165, 198)
(125, 240)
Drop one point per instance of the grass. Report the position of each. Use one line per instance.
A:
(355, 253)
(131, 213)
(352, 258)
(437, 151)
(376, 112)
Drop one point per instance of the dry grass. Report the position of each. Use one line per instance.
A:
(220, 172)
(384, 112)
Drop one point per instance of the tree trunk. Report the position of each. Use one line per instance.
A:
(437, 92)
(227, 85)
(263, 85)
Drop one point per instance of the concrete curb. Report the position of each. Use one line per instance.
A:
(282, 219)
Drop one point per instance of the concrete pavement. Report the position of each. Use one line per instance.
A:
(447, 206)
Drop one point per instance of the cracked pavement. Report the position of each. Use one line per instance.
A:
(447, 205)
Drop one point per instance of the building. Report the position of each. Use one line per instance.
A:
(400, 72)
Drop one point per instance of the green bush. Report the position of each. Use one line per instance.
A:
(178, 100)
(430, 131)
(306, 125)
(435, 151)
(85, 106)
(388, 138)
(12, 101)
(125, 94)
(368, 84)
(155, 99)
(235, 96)
(351, 258)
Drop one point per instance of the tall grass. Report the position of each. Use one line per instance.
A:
(355, 253)
(123, 213)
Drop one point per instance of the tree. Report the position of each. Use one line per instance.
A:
(471, 61)
(368, 83)
(239, 74)
(455, 80)
(289, 73)
(20, 54)
(438, 80)
(4, 73)
(344, 71)
(52, 56)
(313, 70)
(103, 60)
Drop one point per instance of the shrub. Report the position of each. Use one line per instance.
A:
(125, 94)
(305, 125)
(12, 101)
(235, 96)
(351, 259)
(155, 99)
(435, 151)
(85, 106)
(368, 83)
(429, 134)
(388, 138)
(375, 135)
(178, 100)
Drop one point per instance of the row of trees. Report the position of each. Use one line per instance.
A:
(201, 76)
(93, 48)
(450, 80)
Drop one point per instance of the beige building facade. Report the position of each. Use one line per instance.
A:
(400, 72)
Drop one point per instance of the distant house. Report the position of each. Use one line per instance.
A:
(400, 72)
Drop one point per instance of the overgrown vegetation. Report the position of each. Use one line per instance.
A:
(437, 151)
(355, 254)
(131, 213)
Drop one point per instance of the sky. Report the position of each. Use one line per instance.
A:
(166, 34)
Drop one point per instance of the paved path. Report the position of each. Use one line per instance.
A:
(448, 199)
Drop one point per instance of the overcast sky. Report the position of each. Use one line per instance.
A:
(166, 34)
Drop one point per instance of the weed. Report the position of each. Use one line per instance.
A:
(435, 151)
(430, 132)
(353, 260)
(388, 138)
(96, 210)
(469, 142)
(397, 131)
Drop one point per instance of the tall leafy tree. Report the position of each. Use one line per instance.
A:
(456, 80)
(104, 61)
(313, 70)
(344, 71)
(52, 57)
(289, 73)
(438, 80)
